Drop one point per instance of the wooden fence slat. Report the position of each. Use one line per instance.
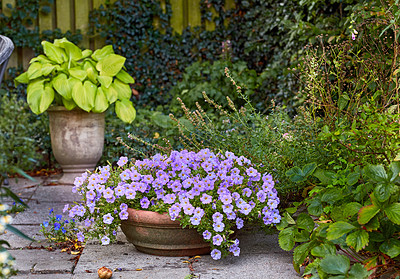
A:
(210, 25)
(63, 10)
(6, 11)
(177, 16)
(194, 13)
(99, 42)
(46, 21)
(82, 9)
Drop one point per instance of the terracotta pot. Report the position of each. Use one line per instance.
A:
(156, 234)
(77, 140)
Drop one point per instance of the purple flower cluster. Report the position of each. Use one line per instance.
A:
(214, 193)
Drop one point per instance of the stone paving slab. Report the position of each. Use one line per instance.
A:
(38, 212)
(179, 273)
(42, 261)
(44, 276)
(57, 193)
(19, 242)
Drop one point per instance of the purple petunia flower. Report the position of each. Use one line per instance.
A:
(122, 161)
(123, 215)
(217, 217)
(206, 199)
(107, 219)
(217, 240)
(239, 223)
(105, 240)
(195, 220)
(144, 202)
(218, 227)
(80, 237)
(206, 234)
(216, 254)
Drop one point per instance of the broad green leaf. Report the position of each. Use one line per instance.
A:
(125, 77)
(331, 196)
(110, 65)
(315, 207)
(68, 104)
(101, 102)
(40, 58)
(73, 52)
(125, 110)
(338, 229)
(393, 213)
(390, 247)
(373, 224)
(123, 89)
(358, 271)
(351, 209)
(62, 86)
(335, 264)
(326, 177)
(342, 102)
(366, 213)
(39, 97)
(323, 250)
(301, 252)
(304, 221)
(295, 174)
(22, 78)
(394, 168)
(34, 70)
(59, 42)
(309, 169)
(377, 173)
(382, 192)
(47, 69)
(84, 95)
(352, 178)
(301, 236)
(286, 239)
(358, 240)
(54, 53)
(17, 232)
(103, 52)
(78, 73)
(111, 94)
(92, 75)
(106, 81)
(86, 53)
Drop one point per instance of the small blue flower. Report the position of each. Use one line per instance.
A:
(51, 211)
(58, 217)
(63, 230)
(45, 224)
(57, 226)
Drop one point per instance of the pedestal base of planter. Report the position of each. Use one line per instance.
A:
(156, 234)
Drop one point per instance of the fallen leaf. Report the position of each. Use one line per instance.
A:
(139, 269)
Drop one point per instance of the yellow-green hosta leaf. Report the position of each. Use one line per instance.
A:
(40, 58)
(68, 104)
(86, 53)
(84, 95)
(47, 69)
(59, 42)
(101, 102)
(125, 77)
(103, 52)
(111, 94)
(61, 85)
(39, 96)
(54, 53)
(125, 110)
(110, 65)
(105, 81)
(22, 78)
(34, 70)
(78, 73)
(123, 89)
(92, 74)
(74, 53)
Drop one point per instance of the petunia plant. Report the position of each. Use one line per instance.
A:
(214, 193)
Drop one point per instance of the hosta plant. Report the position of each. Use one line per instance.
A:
(214, 193)
(67, 76)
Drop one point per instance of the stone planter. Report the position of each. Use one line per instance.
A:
(154, 233)
(77, 140)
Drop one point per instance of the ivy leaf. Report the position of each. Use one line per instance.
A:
(125, 110)
(390, 247)
(323, 250)
(366, 213)
(335, 264)
(338, 229)
(358, 240)
(393, 213)
(304, 221)
(286, 239)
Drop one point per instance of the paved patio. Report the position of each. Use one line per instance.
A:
(260, 256)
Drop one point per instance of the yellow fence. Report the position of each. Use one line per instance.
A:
(74, 15)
